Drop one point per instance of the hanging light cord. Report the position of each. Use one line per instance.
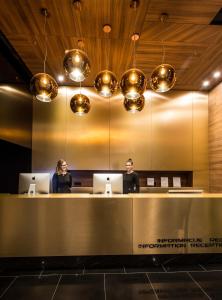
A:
(164, 53)
(109, 130)
(107, 52)
(134, 40)
(45, 42)
(134, 53)
(80, 86)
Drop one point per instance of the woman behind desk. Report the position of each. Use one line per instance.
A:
(130, 179)
(62, 179)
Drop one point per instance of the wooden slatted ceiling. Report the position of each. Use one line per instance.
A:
(192, 46)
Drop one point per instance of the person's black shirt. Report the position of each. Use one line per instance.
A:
(61, 183)
(130, 183)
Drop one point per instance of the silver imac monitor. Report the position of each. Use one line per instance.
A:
(41, 181)
(100, 181)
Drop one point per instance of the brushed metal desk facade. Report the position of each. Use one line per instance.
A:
(84, 224)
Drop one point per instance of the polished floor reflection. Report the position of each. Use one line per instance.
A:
(155, 282)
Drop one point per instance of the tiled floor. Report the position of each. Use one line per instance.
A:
(161, 282)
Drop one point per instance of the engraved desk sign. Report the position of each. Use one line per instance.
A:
(31, 191)
(164, 182)
(177, 182)
(150, 181)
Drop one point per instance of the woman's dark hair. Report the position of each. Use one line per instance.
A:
(130, 161)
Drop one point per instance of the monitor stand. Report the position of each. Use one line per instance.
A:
(108, 190)
(31, 191)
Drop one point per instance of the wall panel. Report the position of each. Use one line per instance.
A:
(215, 139)
(169, 134)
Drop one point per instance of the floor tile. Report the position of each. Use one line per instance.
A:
(63, 271)
(145, 269)
(211, 267)
(128, 287)
(102, 271)
(182, 268)
(4, 283)
(11, 272)
(175, 286)
(211, 282)
(82, 287)
(34, 288)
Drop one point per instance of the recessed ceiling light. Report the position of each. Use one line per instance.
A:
(216, 74)
(60, 78)
(206, 83)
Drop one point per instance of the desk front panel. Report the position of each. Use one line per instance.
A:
(65, 226)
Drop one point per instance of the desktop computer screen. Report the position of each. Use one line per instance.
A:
(101, 181)
(41, 181)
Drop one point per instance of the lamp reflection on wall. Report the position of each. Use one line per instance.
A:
(105, 81)
(134, 105)
(76, 64)
(42, 85)
(80, 104)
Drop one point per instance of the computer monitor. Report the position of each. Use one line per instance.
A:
(100, 180)
(41, 181)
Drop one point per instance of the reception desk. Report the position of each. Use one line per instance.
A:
(86, 224)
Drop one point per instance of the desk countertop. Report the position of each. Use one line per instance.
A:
(101, 196)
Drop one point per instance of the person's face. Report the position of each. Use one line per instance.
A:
(64, 166)
(129, 167)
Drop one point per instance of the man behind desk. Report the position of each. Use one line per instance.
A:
(130, 179)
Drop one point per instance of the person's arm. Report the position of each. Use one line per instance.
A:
(55, 183)
(137, 183)
(70, 180)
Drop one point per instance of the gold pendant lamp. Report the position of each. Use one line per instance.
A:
(80, 104)
(163, 77)
(43, 86)
(133, 82)
(134, 105)
(105, 82)
(76, 62)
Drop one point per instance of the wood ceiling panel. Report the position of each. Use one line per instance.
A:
(191, 45)
(183, 11)
(186, 33)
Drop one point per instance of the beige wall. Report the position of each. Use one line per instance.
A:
(215, 139)
(171, 133)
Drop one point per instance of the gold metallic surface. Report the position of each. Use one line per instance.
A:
(16, 115)
(133, 83)
(80, 104)
(106, 83)
(194, 217)
(57, 133)
(76, 64)
(201, 179)
(43, 87)
(134, 105)
(74, 224)
(164, 136)
(172, 143)
(130, 136)
(51, 226)
(163, 78)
